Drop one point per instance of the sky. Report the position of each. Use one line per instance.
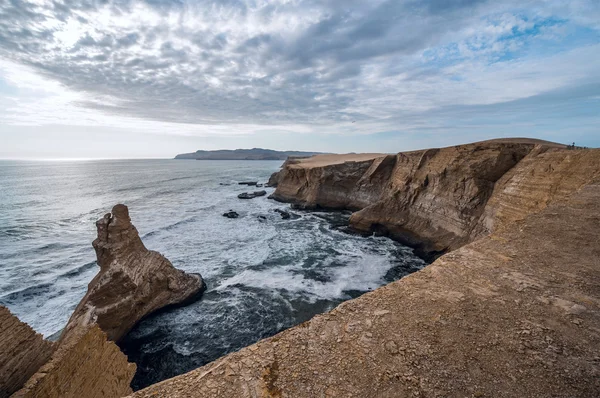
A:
(153, 78)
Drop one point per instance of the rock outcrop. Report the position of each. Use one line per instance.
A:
(513, 314)
(86, 365)
(252, 195)
(133, 281)
(437, 200)
(22, 352)
(231, 214)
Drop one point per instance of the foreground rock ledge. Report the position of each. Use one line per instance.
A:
(86, 365)
(133, 281)
(22, 352)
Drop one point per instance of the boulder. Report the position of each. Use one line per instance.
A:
(252, 195)
(286, 215)
(231, 214)
(133, 281)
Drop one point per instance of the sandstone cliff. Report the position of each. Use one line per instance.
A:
(513, 314)
(437, 200)
(86, 365)
(133, 281)
(22, 352)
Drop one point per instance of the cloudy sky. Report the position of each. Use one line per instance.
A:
(132, 78)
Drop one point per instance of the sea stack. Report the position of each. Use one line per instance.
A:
(133, 281)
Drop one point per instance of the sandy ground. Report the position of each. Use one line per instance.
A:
(329, 159)
(324, 160)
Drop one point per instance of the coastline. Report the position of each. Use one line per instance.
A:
(511, 227)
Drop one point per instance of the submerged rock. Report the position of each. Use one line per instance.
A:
(22, 352)
(249, 183)
(231, 214)
(286, 215)
(252, 195)
(133, 281)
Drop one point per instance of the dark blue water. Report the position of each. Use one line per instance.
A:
(264, 274)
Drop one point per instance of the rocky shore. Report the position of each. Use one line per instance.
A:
(437, 200)
(514, 314)
(512, 309)
(132, 283)
(509, 308)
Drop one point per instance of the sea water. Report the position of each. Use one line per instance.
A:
(264, 273)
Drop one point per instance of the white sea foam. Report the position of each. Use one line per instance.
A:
(263, 274)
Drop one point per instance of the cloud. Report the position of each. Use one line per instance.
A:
(215, 66)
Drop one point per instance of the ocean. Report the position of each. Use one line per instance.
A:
(264, 274)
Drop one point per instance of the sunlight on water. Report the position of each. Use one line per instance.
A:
(264, 274)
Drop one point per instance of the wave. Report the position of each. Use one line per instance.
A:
(28, 293)
(79, 270)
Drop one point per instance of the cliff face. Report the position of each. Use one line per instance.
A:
(538, 180)
(513, 314)
(133, 281)
(334, 184)
(22, 352)
(87, 365)
(437, 200)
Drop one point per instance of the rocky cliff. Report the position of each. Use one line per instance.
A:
(437, 200)
(133, 281)
(22, 352)
(86, 365)
(512, 314)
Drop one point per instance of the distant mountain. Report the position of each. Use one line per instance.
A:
(244, 154)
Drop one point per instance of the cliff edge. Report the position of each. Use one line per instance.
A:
(512, 309)
(437, 200)
(514, 314)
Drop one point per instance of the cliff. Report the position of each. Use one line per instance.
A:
(22, 352)
(513, 314)
(133, 281)
(511, 311)
(437, 200)
(86, 365)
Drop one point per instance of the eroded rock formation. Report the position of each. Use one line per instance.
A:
(437, 200)
(86, 365)
(22, 352)
(133, 281)
(513, 314)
